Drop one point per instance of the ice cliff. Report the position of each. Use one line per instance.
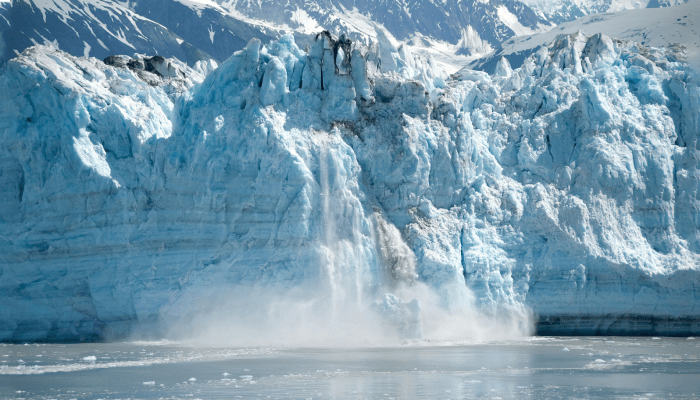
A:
(142, 190)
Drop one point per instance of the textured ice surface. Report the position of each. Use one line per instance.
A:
(568, 186)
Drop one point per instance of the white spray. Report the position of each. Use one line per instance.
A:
(366, 293)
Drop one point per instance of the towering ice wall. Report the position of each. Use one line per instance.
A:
(353, 180)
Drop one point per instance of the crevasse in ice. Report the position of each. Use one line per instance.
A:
(567, 187)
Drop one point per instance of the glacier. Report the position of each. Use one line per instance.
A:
(350, 185)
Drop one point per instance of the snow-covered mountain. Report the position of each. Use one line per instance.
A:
(560, 11)
(674, 27)
(447, 21)
(206, 25)
(192, 30)
(100, 28)
(350, 188)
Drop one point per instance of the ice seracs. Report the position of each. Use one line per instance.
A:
(352, 179)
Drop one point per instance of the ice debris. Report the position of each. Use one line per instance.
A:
(402, 316)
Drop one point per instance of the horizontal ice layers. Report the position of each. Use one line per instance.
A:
(568, 186)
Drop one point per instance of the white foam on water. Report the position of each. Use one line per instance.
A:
(180, 356)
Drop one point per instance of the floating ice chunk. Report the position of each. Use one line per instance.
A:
(90, 358)
(150, 383)
(599, 361)
(565, 349)
(192, 379)
(225, 374)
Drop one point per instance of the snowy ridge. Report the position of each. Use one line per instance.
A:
(471, 43)
(560, 11)
(672, 27)
(92, 27)
(442, 23)
(357, 181)
(100, 28)
(193, 30)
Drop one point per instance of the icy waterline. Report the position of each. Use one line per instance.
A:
(543, 367)
(349, 193)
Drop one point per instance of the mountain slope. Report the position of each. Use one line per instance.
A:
(100, 28)
(560, 11)
(494, 21)
(96, 27)
(664, 27)
(200, 29)
(205, 25)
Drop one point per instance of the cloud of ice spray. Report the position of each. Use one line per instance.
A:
(366, 292)
(331, 311)
(304, 317)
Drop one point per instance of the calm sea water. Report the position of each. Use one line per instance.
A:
(538, 368)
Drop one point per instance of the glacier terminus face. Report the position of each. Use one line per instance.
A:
(349, 193)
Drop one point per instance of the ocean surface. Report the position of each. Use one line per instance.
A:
(537, 367)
